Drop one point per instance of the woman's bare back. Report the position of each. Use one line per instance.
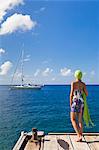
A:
(79, 85)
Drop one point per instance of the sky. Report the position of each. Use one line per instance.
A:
(57, 38)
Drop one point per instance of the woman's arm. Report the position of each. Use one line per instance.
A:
(85, 90)
(71, 93)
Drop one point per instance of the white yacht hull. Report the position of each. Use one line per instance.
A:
(26, 87)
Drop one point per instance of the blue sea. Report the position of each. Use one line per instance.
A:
(46, 109)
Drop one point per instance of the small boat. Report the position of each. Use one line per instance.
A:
(26, 86)
(30, 141)
(22, 85)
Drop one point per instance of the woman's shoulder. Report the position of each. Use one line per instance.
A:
(83, 83)
(73, 82)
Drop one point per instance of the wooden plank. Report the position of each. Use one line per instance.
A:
(50, 142)
(72, 133)
(19, 142)
(79, 145)
(64, 142)
(93, 142)
(32, 146)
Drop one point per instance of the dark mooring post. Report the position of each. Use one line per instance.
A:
(34, 134)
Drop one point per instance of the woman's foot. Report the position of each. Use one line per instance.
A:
(79, 138)
(80, 132)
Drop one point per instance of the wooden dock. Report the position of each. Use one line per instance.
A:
(64, 141)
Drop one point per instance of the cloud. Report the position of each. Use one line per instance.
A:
(37, 72)
(6, 5)
(27, 58)
(65, 72)
(2, 51)
(40, 10)
(5, 67)
(16, 78)
(17, 75)
(84, 73)
(17, 22)
(47, 72)
(53, 79)
(45, 62)
(92, 73)
(35, 34)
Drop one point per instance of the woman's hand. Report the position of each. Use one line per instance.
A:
(71, 93)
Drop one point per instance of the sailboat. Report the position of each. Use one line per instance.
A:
(22, 85)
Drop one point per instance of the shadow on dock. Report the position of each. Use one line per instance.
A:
(92, 141)
(63, 144)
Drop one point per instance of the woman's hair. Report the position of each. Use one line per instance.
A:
(78, 74)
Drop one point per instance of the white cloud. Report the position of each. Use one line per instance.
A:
(48, 61)
(47, 72)
(92, 73)
(40, 10)
(65, 72)
(45, 62)
(5, 67)
(35, 34)
(53, 79)
(2, 51)
(84, 73)
(27, 58)
(16, 78)
(18, 75)
(37, 73)
(17, 22)
(6, 5)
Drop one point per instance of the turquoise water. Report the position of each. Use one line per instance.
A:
(47, 109)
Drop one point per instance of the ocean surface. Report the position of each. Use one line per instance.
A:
(47, 109)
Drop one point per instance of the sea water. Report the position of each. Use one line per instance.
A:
(46, 109)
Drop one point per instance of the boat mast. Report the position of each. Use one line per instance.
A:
(16, 68)
(22, 76)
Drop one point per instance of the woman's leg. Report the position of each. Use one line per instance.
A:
(73, 120)
(80, 122)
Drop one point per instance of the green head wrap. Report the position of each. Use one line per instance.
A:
(78, 74)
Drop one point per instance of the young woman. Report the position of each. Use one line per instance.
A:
(77, 103)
